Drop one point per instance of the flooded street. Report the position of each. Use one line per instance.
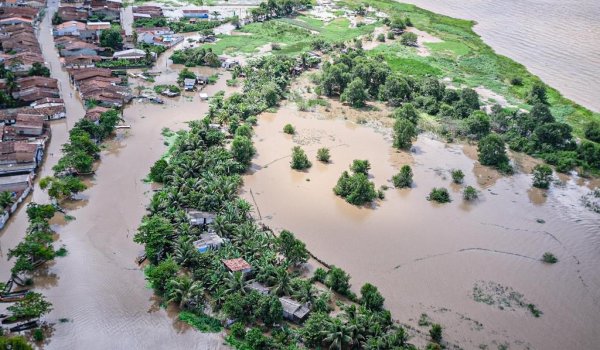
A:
(99, 294)
(427, 257)
(557, 40)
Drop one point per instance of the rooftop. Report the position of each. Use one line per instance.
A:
(238, 264)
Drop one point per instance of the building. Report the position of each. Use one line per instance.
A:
(94, 114)
(130, 55)
(72, 28)
(18, 157)
(195, 14)
(258, 287)
(293, 310)
(200, 218)
(208, 241)
(238, 265)
(189, 84)
(29, 125)
(15, 183)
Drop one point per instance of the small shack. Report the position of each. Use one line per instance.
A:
(189, 84)
(238, 265)
(293, 310)
(208, 241)
(259, 287)
(200, 218)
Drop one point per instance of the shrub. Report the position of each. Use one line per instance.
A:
(439, 195)
(238, 330)
(457, 176)
(436, 332)
(360, 166)
(323, 155)
(492, 151)
(381, 37)
(549, 258)
(299, 159)
(157, 171)
(592, 131)
(470, 193)
(200, 321)
(355, 189)
(319, 275)
(371, 298)
(409, 39)
(338, 280)
(542, 175)
(391, 36)
(355, 93)
(404, 178)
(404, 131)
(289, 129)
(38, 335)
(516, 81)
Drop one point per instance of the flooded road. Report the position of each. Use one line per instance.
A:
(426, 257)
(557, 40)
(100, 297)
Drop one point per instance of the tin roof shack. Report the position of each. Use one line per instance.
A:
(189, 84)
(148, 11)
(131, 55)
(259, 287)
(238, 265)
(293, 310)
(200, 218)
(17, 157)
(208, 241)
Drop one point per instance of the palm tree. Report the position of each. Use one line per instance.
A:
(337, 335)
(234, 282)
(6, 199)
(185, 252)
(306, 293)
(281, 282)
(186, 292)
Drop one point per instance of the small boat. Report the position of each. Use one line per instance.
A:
(24, 326)
(12, 297)
(156, 100)
(123, 127)
(140, 259)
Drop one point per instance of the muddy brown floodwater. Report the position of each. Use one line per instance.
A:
(427, 257)
(97, 288)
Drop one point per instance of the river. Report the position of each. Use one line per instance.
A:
(558, 40)
(100, 297)
(429, 258)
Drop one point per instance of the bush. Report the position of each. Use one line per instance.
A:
(409, 39)
(549, 258)
(404, 132)
(404, 178)
(542, 175)
(319, 275)
(457, 176)
(439, 195)
(157, 171)
(516, 81)
(592, 131)
(391, 36)
(360, 166)
(299, 159)
(355, 189)
(323, 155)
(470, 193)
(492, 151)
(355, 93)
(436, 332)
(238, 330)
(381, 37)
(200, 321)
(338, 280)
(371, 298)
(289, 129)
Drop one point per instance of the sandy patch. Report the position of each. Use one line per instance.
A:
(422, 38)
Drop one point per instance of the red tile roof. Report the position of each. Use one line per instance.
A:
(238, 264)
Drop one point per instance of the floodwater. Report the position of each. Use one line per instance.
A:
(558, 40)
(99, 295)
(427, 257)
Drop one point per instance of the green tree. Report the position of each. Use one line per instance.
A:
(492, 151)
(404, 178)
(592, 131)
(111, 38)
(61, 188)
(338, 335)
(395, 90)
(439, 195)
(542, 175)
(338, 280)
(313, 331)
(160, 275)
(537, 94)
(436, 333)
(270, 310)
(299, 159)
(38, 69)
(477, 125)
(355, 189)
(360, 166)
(323, 155)
(355, 93)
(404, 132)
(185, 74)
(34, 305)
(408, 112)
(156, 233)
(457, 176)
(293, 249)
(289, 129)
(6, 199)
(158, 170)
(371, 298)
(409, 39)
(186, 292)
(242, 149)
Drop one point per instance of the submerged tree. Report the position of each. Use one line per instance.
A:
(404, 132)
(542, 175)
(60, 188)
(404, 178)
(299, 159)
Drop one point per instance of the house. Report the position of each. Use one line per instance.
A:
(80, 61)
(293, 310)
(94, 114)
(71, 13)
(72, 28)
(130, 55)
(147, 12)
(51, 112)
(15, 20)
(96, 28)
(200, 218)
(77, 48)
(229, 63)
(195, 14)
(29, 125)
(202, 79)
(18, 157)
(237, 265)
(189, 84)
(208, 241)
(15, 183)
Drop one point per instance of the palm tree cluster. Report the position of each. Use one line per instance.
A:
(277, 8)
(203, 174)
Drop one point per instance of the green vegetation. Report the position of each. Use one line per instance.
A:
(123, 63)
(34, 305)
(404, 178)
(242, 150)
(542, 175)
(201, 322)
(457, 176)
(356, 188)
(111, 38)
(299, 159)
(323, 155)
(181, 26)
(470, 193)
(14, 343)
(439, 195)
(549, 258)
(38, 69)
(60, 188)
(409, 39)
(289, 129)
(6, 199)
(161, 88)
(492, 152)
(196, 57)
(436, 333)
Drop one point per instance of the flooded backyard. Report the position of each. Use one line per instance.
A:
(431, 258)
